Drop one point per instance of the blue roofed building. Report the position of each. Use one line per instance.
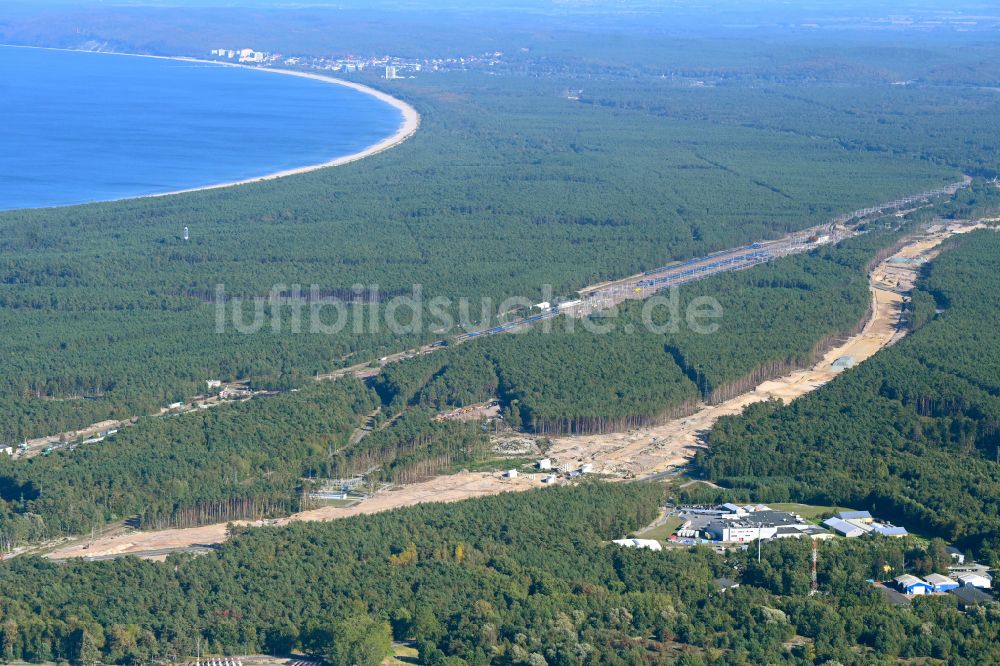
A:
(941, 583)
(909, 584)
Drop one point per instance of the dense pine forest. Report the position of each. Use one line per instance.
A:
(234, 461)
(600, 144)
(911, 433)
(508, 186)
(249, 460)
(241, 461)
(521, 578)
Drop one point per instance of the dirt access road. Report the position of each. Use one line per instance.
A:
(647, 451)
(636, 453)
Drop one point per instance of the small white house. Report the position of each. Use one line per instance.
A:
(587, 469)
(510, 474)
(9, 450)
(545, 463)
(549, 480)
(957, 556)
(213, 383)
(544, 306)
(979, 580)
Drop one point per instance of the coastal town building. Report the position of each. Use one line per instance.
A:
(394, 67)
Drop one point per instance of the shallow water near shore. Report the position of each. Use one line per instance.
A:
(80, 127)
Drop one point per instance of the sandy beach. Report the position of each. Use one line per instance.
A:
(409, 126)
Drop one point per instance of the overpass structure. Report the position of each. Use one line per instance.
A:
(608, 294)
(899, 204)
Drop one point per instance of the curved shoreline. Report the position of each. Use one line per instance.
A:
(409, 126)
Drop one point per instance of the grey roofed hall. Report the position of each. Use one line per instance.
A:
(890, 530)
(843, 363)
(854, 515)
(844, 527)
(892, 597)
(726, 583)
(971, 596)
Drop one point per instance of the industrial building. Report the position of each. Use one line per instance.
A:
(742, 531)
(970, 596)
(941, 583)
(741, 524)
(844, 528)
(861, 516)
(853, 524)
(974, 579)
(892, 597)
(909, 584)
(889, 530)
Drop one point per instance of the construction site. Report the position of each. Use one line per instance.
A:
(644, 453)
(591, 299)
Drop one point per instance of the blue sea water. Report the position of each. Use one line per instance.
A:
(80, 127)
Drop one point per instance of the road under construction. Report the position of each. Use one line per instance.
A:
(645, 453)
(591, 299)
(643, 285)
